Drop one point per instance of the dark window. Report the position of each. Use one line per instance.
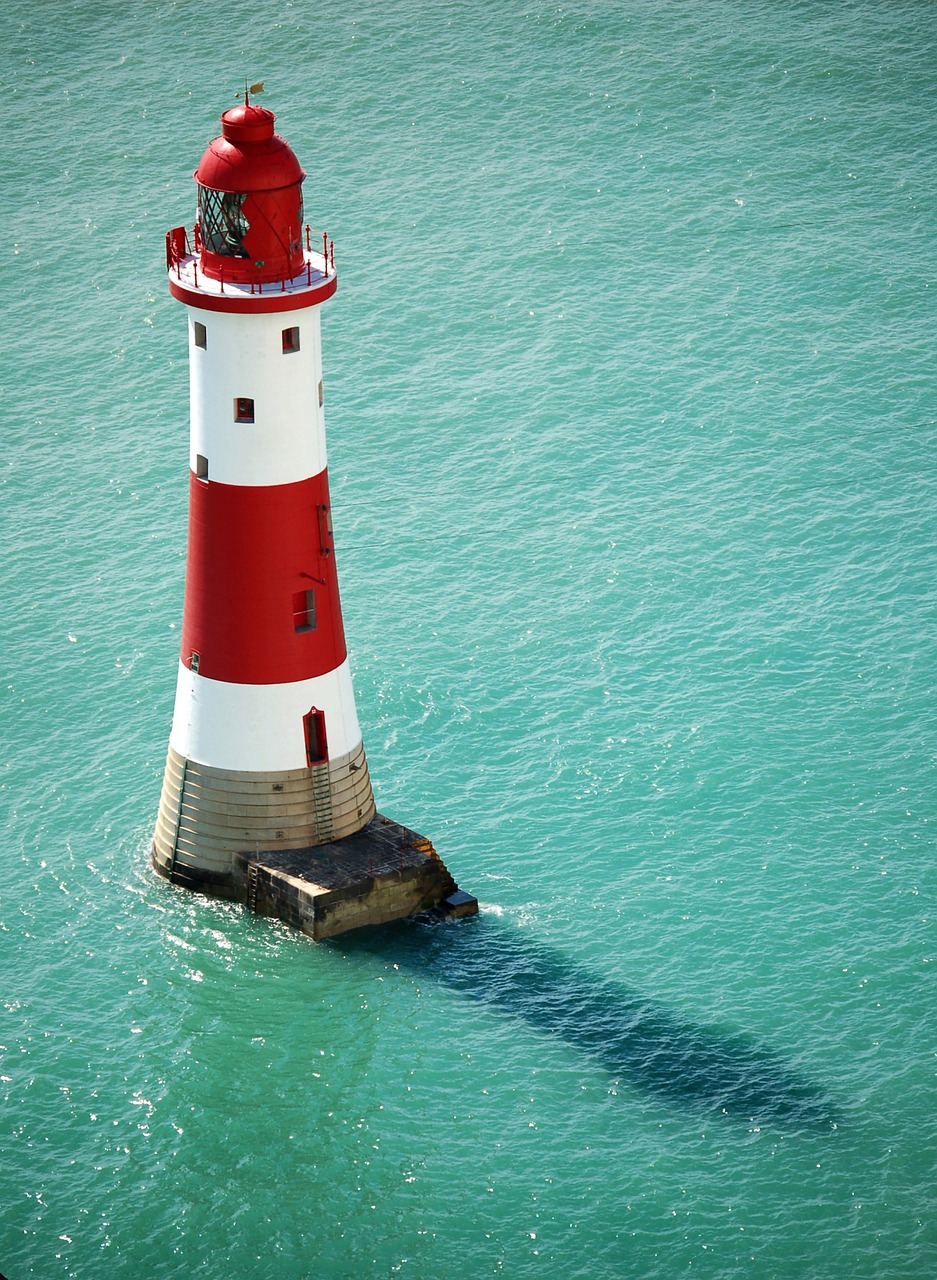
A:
(222, 222)
(201, 466)
(201, 334)
(321, 397)
(304, 610)
(291, 339)
(243, 409)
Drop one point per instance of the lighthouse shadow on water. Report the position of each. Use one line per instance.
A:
(651, 1047)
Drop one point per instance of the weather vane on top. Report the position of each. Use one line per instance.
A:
(255, 88)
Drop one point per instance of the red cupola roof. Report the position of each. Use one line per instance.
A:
(250, 201)
(248, 156)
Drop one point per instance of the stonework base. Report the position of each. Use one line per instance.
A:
(381, 873)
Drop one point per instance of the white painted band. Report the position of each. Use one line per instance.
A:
(260, 726)
(243, 359)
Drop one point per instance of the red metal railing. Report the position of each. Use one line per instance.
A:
(178, 250)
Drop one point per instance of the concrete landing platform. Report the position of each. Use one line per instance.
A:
(383, 872)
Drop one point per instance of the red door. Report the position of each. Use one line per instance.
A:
(317, 747)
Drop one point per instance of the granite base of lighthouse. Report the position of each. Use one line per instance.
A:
(381, 873)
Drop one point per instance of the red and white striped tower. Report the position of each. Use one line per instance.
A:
(265, 751)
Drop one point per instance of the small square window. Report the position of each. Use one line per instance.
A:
(243, 409)
(201, 466)
(291, 339)
(304, 611)
(201, 334)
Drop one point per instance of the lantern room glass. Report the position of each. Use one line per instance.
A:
(222, 222)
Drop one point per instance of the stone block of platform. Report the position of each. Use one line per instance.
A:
(381, 873)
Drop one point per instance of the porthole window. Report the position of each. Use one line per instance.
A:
(291, 339)
(201, 334)
(243, 409)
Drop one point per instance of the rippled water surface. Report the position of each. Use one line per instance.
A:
(631, 412)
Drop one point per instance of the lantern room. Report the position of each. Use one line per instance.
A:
(250, 204)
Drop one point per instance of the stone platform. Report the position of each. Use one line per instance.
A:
(383, 872)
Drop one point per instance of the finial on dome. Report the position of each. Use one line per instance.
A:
(256, 88)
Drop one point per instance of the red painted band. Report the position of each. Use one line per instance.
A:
(254, 552)
(254, 302)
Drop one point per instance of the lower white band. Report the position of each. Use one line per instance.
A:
(260, 726)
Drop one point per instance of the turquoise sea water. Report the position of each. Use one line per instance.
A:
(630, 388)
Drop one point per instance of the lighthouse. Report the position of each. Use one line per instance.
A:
(266, 794)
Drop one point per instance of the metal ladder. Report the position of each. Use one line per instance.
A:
(321, 801)
(175, 838)
(253, 881)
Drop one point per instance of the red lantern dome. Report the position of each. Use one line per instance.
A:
(250, 205)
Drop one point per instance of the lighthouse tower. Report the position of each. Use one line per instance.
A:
(265, 751)
(266, 795)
